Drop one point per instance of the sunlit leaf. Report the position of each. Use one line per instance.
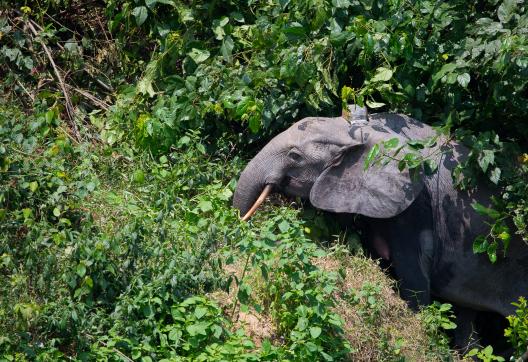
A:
(141, 14)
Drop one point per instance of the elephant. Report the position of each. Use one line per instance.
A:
(421, 222)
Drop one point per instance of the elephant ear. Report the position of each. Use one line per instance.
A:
(380, 191)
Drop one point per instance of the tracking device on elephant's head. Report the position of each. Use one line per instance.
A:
(355, 114)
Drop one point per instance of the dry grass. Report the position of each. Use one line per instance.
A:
(375, 338)
(258, 326)
(372, 339)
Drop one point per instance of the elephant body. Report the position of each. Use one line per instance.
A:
(424, 226)
(431, 242)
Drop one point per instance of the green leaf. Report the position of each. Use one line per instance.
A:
(392, 143)
(217, 330)
(205, 205)
(227, 48)
(218, 27)
(145, 84)
(315, 332)
(448, 325)
(27, 212)
(33, 186)
(486, 158)
(319, 253)
(81, 270)
(484, 211)
(373, 104)
(416, 144)
(184, 141)
(12, 54)
(199, 312)
(254, 123)
(294, 31)
(492, 252)
(373, 153)
(472, 353)
(444, 307)
(382, 75)
(237, 17)
(480, 244)
(495, 175)
(463, 79)
(150, 3)
(341, 3)
(402, 165)
(28, 63)
(302, 323)
(284, 226)
(446, 68)
(138, 176)
(430, 167)
(175, 334)
(504, 236)
(56, 211)
(197, 328)
(199, 55)
(507, 10)
(140, 13)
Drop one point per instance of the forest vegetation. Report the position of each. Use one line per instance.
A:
(124, 125)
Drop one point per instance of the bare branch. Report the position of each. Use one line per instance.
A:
(95, 101)
(70, 112)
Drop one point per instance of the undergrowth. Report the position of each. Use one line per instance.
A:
(108, 253)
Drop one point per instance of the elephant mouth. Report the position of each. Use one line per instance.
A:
(289, 185)
(293, 186)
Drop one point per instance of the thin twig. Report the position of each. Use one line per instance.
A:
(68, 134)
(69, 107)
(103, 84)
(96, 101)
(25, 90)
(21, 152)
(235, 303)
(123, 355)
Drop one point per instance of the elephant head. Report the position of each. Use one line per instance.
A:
(322, 159)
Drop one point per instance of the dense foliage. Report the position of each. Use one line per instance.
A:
(122, 129)
(109, 254)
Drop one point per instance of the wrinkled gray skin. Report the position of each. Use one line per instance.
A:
(425, 227)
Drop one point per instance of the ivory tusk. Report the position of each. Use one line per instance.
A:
(257, 203)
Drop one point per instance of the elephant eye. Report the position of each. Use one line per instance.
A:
(295, 155)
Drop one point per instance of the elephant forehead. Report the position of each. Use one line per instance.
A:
(321, 129)
(317, 135)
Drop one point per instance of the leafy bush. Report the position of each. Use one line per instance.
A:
(75, 252)
(517, 331)
(485, 355)
(298, 295)
(438, 317)
(194, 329)
(268, 64)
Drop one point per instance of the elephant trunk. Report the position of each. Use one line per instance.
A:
(256, 179)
